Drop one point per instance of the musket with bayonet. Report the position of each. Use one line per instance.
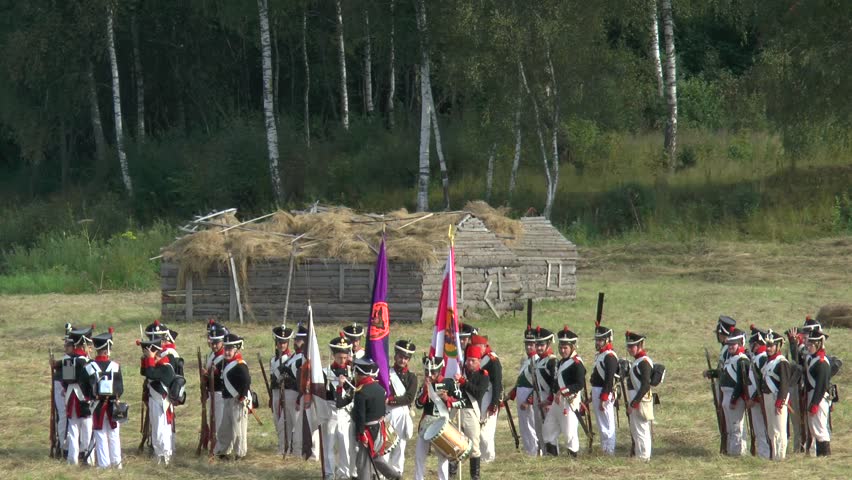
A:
(538, 412)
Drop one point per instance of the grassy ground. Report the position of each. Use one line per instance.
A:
(671, 292)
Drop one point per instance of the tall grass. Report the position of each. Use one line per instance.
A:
(77, 262)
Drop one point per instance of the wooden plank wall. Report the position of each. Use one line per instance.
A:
(263, 295)
(544, 252)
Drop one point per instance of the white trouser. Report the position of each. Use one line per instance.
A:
(161, 431)
(488, 429)
(759, 425)
(422, 451)
(734, 419)
(215, 413)
(337, 438)
(234, 430)
(776, 426)
(640, 427)
(526, 421)
(561, 420)
(400, 419)
(61, 417)
(606, 420)
(78, 438)
(108, 445)
(284, 418)
(818, 424)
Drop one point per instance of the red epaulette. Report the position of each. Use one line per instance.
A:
(484, 372)
(578, 359)
(492, 355)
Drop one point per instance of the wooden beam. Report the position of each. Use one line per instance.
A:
(340, 282)
(488, 302)
(188, 299)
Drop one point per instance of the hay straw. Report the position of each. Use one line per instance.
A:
(337, 233)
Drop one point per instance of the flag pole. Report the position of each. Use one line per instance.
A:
(313, 397)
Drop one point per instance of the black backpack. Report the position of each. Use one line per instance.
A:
(658, 374)
(177, 389)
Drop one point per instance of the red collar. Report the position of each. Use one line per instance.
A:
(237, 357)
(531, 355)
(606, 347)
(80, 352)
(760, 349)
(740, 350)
(547, 353)
(102, 358)
(820, 353)
(167, 346)
(219, 353)
(773, 357)
(339, 366)
(280, 354)
(365, 380)
(640, 354)
(162, 360)
(400, 370)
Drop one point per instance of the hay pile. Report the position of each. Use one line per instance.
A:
(335, 233)
(837, 315)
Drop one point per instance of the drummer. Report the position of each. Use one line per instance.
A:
(433, 410)
(467, 398)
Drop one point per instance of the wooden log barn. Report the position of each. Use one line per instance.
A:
(261, 272)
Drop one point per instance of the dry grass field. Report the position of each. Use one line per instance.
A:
(673, 293)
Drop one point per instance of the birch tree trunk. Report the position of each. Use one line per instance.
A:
(425, 113)
(307, 78)
(489, 175)
(654, 46)
(97, 125)
(392, 63)
(516, 159)
(554, 161)
(344, 93)
(116, 103)
(670, 143)
(368, 64)
(268, 106)
(140, 83)
(549, 186)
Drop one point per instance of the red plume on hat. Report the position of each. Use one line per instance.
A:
(565, 328)
(211, 321)
(478, 340)
(157, 322)
(111, 330)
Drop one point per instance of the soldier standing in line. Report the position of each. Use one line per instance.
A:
(491, 400)
(215, 361)
(353, 335)
(817, 388)
(522, 394)
(467, 397)
(758, 358)
(59, 394)
(403, 385)
(168, 349)
(775, 390)
(466, 330)
(368, 417)
(293, 367)
(237, 399)
(433, 409)
(78, 396)
(563, 418)
(639, 401)
(337, 433)
(107, 385)
(733, 380)
(602, 379)
(159, 374)
(545, 383)
(277, 384)
(798, 348)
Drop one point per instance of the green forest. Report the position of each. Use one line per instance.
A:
(663, 119)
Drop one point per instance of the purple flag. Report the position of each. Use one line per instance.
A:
(378, 329)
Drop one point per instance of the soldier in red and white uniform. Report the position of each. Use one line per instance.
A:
(492, 399)
(639, 401)
(403, 389)
(159, 374)
(563, 416)
(213, 366)
(283, 387)
(733, 380)
(818, 382)
(544, 380)
(78, 397)
(775, 390)
(603, 380)
(353, 334)
(237, 399)
(758, 357)
(107, 386)
(522, 393)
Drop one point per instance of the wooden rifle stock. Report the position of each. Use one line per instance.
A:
(512, 427)
(55, 451)
(204, 435)
(720, 414)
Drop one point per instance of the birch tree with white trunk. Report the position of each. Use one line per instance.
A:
(551, 165)
(670, 143)
(344, 92)
(268, 105)
(140, 80)
(425, 115)
(307, 99)
(427, 99)
(368, 63)
(116, 104)
(392, 68)
(654, 45)
(516, 158)
(489, 175)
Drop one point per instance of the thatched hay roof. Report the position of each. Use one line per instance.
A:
(335, 233)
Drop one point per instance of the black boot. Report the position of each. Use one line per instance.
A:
(573, 454)
(453, 469)
(823, 449)
(551, 449)
(474, 469)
